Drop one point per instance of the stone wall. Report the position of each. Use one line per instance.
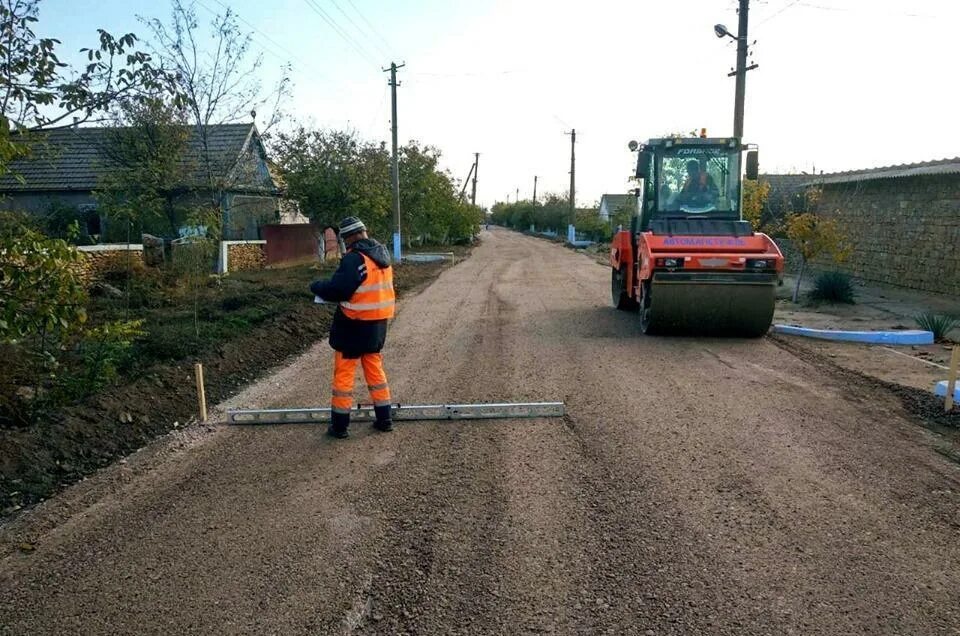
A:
(904, 231)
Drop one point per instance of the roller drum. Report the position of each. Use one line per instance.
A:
(731, 304)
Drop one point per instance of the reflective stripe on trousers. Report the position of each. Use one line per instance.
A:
(344, 372)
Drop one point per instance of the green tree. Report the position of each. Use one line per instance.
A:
(430, 200)
(38, 91)
(334, 174)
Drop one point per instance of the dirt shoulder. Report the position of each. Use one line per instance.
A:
(69, 444)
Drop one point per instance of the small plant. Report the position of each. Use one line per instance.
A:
(833, 287)
(939, 324)
(105, 350)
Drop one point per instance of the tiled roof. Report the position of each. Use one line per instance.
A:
(72, 159)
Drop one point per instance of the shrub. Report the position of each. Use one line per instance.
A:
(105, 351)
(833, 287)
(939, 324)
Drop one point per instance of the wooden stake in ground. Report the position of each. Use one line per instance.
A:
(952, 378)
(201, 394)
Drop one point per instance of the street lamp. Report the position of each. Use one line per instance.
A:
(741, 70)
(722, 31)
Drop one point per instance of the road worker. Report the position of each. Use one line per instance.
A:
(363, 287)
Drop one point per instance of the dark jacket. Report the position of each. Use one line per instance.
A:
(351, 337)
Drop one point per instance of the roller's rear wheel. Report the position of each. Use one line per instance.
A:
(618, 290)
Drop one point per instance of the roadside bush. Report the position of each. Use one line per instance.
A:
(939, 324)
(833, 287)
(104, 352)
(42, 294)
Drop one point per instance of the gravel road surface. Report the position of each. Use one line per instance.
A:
(696, 486)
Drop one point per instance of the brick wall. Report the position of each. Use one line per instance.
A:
(904, 231)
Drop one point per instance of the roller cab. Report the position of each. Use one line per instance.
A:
(689, 264)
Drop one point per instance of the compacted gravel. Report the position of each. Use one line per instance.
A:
(696, 486)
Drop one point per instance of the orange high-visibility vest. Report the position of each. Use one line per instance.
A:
(374, 298)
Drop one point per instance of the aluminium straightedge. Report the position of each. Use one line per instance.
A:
(401, 412)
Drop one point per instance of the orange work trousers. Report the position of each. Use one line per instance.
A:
(344, 372)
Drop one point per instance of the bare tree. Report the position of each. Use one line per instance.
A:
(219, 77)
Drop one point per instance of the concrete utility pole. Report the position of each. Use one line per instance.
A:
(476, 168)
(394, 164)
(534, 189)
(573, 176)
(741, 69)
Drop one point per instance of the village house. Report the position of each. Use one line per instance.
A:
(67, 167)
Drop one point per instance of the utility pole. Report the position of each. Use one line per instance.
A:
(518, 195)
(394, 164)
(534, 189)
(741, 69)
(476, 168)
(573, 176)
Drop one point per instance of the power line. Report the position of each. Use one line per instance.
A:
(359, 30)
(807, 5)
(789, 5)
(336, 27)
(333, 25)
(241, 18)
(372, 28)
(267, 48)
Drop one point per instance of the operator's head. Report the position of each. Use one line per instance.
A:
(352, 230)
(693, 167)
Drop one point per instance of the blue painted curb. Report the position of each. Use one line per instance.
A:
(905, 337)
(940, 390)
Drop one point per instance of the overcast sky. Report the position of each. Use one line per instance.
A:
(842, 84)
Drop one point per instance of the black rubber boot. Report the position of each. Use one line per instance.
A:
(339, 425)
(384, 423)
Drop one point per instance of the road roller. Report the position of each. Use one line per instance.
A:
(689, 263)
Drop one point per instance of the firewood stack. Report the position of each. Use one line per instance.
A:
(243, 257)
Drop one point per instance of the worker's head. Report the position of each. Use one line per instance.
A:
(352, 230)
(693, 167)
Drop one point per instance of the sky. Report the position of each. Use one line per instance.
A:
(841, 84)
